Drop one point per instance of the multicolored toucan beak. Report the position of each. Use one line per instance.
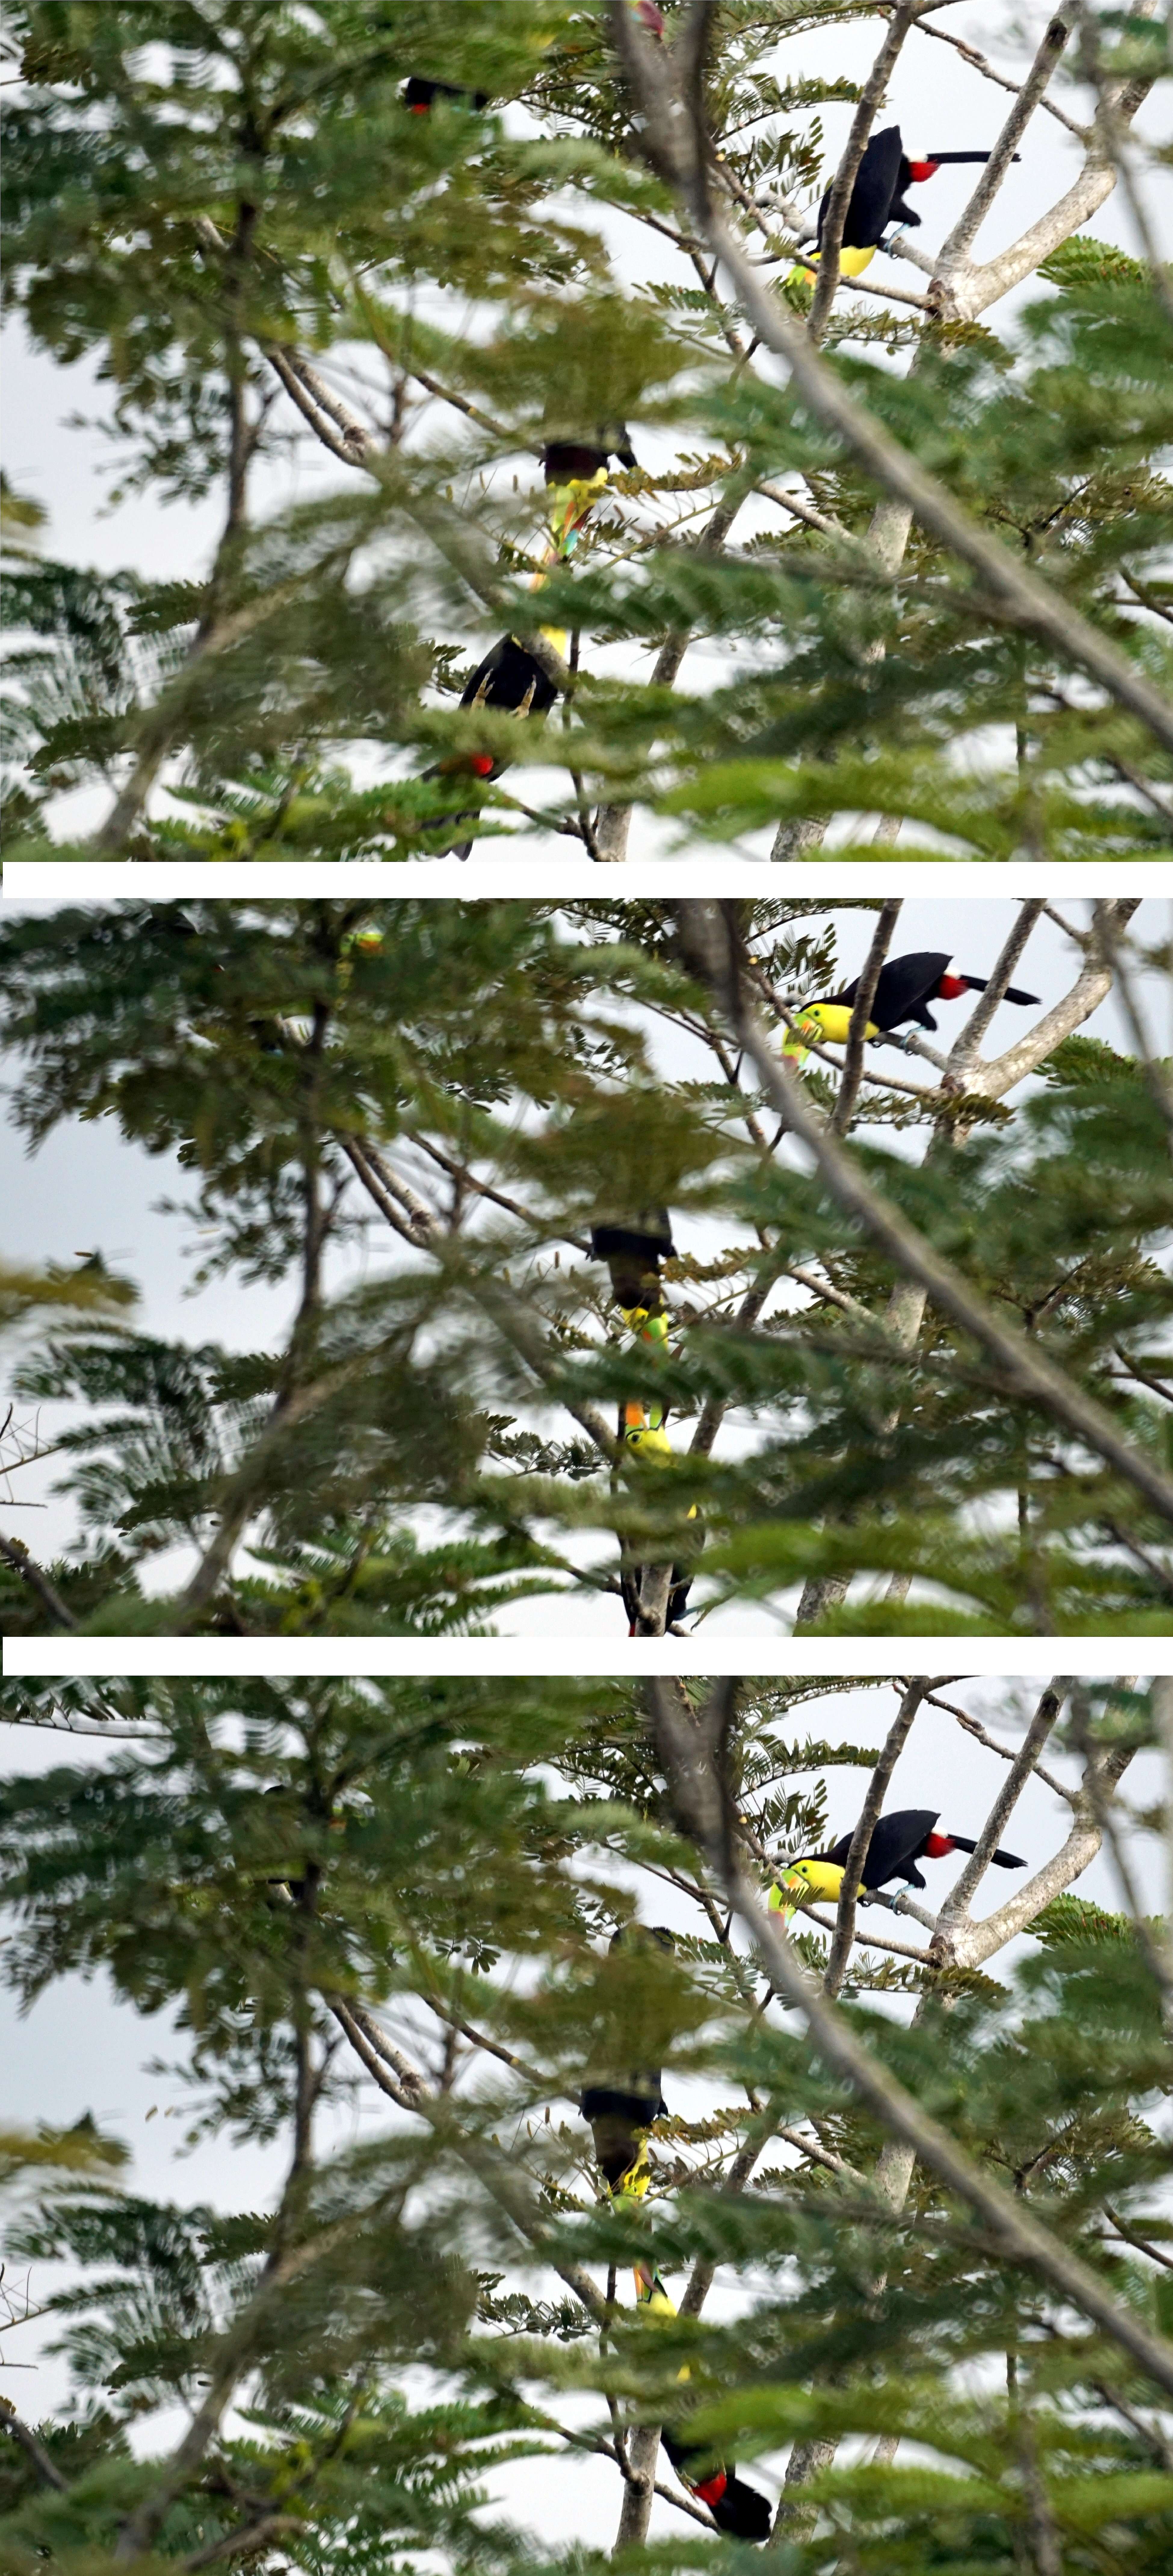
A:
(829, 1021)
(568, 505)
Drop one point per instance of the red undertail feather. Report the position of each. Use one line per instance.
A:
(713, 2489)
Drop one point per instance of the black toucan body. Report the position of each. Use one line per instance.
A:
(420, 95)
(907, 985)
(618, 2117)
(903, 1838)
(578, 460)
(877, 199)
(735, 2507)
(633, 1245)
(510, 682)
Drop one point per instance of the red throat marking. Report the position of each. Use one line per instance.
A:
(923, 169)
(420, 108)
(481, 764)
(951, 988)
(937, 1845)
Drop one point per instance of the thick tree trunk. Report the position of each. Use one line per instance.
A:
(642, 2452)
(612, 830)
(796, 838)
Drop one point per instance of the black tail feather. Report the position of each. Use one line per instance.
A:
(741, 2511)
(1001, 1859)
(1013, 992)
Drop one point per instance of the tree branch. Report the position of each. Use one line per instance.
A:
(886, 920)
(47, 2469)
(711, 948)
(954, 250)
(675, 143)
(957, 1904)
(690, 1749)
(894, 1743)
(16, 1554)
(827, 275)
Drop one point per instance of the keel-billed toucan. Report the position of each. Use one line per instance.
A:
(905, 987)
(898, 1842)
(420, 95)
(877, 199)
(621, 2103)
(509, 682)
(577, 460)
(736, 2508)
(633, 1247)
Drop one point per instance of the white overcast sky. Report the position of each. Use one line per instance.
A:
(79, 2050)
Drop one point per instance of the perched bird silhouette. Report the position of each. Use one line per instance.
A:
(898, 1842)
(877, 199)
(621, 2105)
(904, 989)
(420, 95)
(508, 682)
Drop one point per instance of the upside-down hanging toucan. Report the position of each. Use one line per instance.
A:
(509, 682)
(622, 2102)
(621, 2107)
(898, 1842)
(904, 989)
(633, 1247)
(420, 95)
(877, 199)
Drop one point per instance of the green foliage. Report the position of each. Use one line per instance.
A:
(250, 192)
(403, 2314)
(420, 1451)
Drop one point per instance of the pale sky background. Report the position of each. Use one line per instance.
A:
(940, 101)
(87, 1188)
(79, 2050)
